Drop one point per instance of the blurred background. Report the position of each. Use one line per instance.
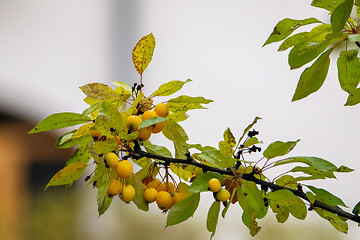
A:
(50, 48)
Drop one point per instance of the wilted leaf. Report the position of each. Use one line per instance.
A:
(60, 120)
(286, 26)
(212, 217)
(99, 91)
(250, 221)
(226, 146)
(143, 52)
(184, 103)
(341, 14)
(279, 148)
(313, 77)
(246, 130)
(103, 147)
(175, 133)
(67, 175)
(182, 210)
(183, 171)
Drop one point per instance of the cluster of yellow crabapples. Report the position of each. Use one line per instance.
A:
(164, 193)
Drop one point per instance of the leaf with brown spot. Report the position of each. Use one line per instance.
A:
(143, 52)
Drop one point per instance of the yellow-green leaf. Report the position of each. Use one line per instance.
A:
(60, 120)
(67, 175)
(143, 52)
(334, 219)
(212, 218)
(169, 88)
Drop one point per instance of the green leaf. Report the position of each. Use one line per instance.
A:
(313, 77)
(286, 26)
(169, 88)
(356, 209)
(293, 40)
(184, 103)
(60, 120)
(175, 133)
(212, 217)
(216, 158)
(344, 169)
(92, 109)
(72, 142)
(251, 141)
(183, 210)
(229, 203)
(226, 147)
(334, 219)
(326, 197)
(201, 182)
(311, 197)
(143, 52)
(286, 200)
(81, 154)
(312, 47)
(151, 121)
(287, 181)
(319, 163)
(313, 172)
(158, 150)
(349, 70)
(67, 175)
(103, 199)
(254, 198)
(353, 98)
(250, 221)
(103, 147)
(279, 148)
(139, 199)
(329, 5)
(340, 15)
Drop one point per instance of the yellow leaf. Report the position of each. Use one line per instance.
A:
(142, 53)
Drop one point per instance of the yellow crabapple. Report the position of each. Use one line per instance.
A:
(161, 109)
(124, 169)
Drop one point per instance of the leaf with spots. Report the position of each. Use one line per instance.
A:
(60, 120)
(286, 26)
(143, 52)
(334, 219)
(324, 196)
(169, 88)
(67, 175)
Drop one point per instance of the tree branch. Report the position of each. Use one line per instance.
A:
(138, 153)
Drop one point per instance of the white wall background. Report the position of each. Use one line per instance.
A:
(50, 48)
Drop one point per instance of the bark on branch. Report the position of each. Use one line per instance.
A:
(138, 153)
